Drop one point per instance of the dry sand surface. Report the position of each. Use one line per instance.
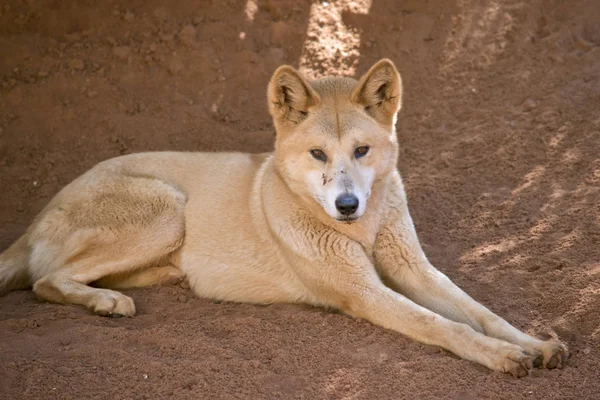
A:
(500, 152)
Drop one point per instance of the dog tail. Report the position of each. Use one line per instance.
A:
(14, 272)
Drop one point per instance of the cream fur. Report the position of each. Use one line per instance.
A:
(264, 228)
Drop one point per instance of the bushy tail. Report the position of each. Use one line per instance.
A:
(13, 267)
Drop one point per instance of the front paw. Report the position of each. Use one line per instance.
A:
(549, 354)
(512, 359)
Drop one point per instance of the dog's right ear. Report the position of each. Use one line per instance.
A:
(290, 96)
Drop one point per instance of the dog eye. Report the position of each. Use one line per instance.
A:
(318, 154)
(361, 151)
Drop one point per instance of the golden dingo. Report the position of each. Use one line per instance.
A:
(322, 220)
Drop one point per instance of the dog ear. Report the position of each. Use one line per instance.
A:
(380, 92)
(290, 96)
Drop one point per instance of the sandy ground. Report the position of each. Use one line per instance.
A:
(500, 155)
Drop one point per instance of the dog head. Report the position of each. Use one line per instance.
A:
(336, 136)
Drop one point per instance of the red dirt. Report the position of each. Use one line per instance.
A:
(500, 155)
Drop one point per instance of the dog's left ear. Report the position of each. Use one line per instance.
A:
(380, 92)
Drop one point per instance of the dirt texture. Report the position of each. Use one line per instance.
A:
(500, 153)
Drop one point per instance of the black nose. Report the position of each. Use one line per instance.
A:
(346, 203)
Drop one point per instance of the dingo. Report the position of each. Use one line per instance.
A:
(322, 220)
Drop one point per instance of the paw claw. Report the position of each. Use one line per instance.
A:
(553, 362)
(560, 354)
(519, 372)
(520, 367)
(549, 354)
(516, 362)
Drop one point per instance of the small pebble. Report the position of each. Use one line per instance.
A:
(76, 64)
(187, 35)
(175, 66)
(529, 104)
(122, 52)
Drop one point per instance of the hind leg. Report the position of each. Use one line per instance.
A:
(165, 275)
(118, 227)
(104, 302)
(69, 284)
